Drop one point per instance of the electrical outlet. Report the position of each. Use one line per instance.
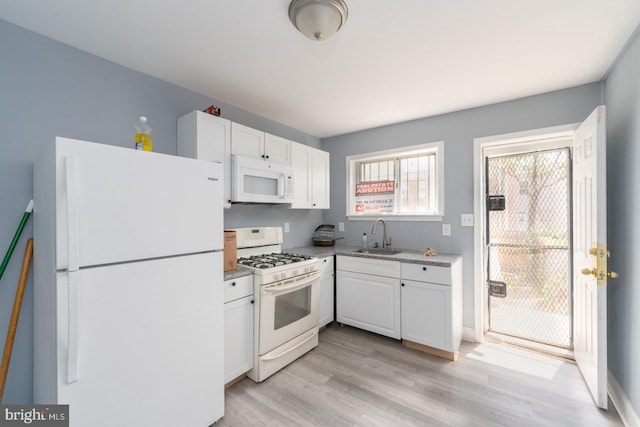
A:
(286, 227)
(466, 220)
(446, 229)
(341, 226)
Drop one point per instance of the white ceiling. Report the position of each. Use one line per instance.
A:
(392, 61)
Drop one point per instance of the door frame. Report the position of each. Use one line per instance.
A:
(530, 140)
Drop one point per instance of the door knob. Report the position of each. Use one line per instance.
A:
(594, 252)
(613, 274)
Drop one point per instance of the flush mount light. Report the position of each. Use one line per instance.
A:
(318, 19)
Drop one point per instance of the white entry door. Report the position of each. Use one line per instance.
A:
(590, 253)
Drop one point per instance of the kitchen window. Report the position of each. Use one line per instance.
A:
(404, 184)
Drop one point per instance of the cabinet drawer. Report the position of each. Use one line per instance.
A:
(369, 266)
(238, 288)
(426, 273)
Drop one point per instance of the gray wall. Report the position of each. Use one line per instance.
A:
(622, 96)
(48, 89)
(457, 130)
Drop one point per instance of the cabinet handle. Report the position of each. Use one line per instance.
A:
(424, 268)
(263, 156)
(233, 283)
(401, 284)
(325, 260)
(267, 156)
(251, 301)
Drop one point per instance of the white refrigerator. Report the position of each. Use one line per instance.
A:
(128, 296)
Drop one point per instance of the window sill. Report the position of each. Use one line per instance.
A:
(395, 217)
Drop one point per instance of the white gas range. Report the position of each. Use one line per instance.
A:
(286, 292)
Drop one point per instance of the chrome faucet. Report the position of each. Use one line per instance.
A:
(385, 241)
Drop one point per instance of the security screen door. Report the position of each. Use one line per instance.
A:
(529, 246)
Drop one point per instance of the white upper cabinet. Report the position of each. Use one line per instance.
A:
(301, 160)
(249, 142)
(321, 182)
(311, 177)
(277, 149)
(207, 137)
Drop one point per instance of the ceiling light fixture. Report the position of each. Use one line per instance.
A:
(318, 19)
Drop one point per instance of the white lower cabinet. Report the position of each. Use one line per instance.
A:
(432, 307)
(426, 314)
(420, 303)
(326, 291)
(369, 301)
(238, 327)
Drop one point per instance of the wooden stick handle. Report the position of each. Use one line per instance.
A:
(15, 315)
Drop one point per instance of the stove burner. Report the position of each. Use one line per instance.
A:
(272, 260)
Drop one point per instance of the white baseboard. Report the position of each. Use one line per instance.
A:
(621, 402)
(468, 334)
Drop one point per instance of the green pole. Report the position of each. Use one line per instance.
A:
(16, 237)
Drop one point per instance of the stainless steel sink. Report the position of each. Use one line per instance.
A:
(378, 251)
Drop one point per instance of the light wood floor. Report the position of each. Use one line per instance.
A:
(355, 378)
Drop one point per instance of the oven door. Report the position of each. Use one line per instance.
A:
(287, 309)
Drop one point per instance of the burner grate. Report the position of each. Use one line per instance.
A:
(272, 260)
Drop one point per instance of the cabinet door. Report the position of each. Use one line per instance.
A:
(326, 291)
(203, 136)
(246, 141)
(320, 181)
(277, 149)
(238, 337)
(302, 176)
(426, 314)
(369, 302)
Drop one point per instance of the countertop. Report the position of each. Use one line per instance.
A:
(407, 255)
(316, 251)
(239, 272)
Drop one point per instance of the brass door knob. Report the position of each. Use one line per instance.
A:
(594, 252)
(613, 275)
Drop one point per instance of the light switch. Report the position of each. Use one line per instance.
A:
(466, 220)
(446, 229)
(341, 226)
(286, 227)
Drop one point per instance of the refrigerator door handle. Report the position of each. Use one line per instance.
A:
(72, 356)
(72, 214)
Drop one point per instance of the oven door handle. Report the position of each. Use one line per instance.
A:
(312, 333)
(277, 290)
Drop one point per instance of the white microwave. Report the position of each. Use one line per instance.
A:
(260, 181)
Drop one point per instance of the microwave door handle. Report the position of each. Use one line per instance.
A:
(282, 186)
